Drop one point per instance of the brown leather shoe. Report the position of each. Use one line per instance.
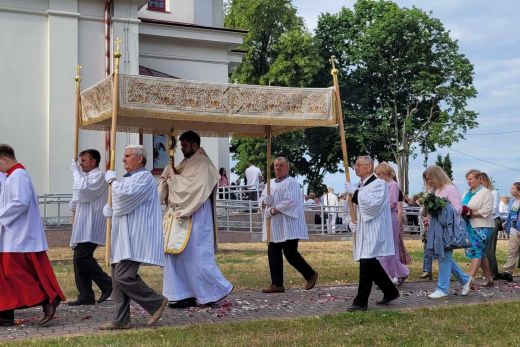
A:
(112, 326)
(312, 281)
(50, 311)
(155, 317)
(273, 288)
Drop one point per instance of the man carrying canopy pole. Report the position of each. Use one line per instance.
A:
(284, 214)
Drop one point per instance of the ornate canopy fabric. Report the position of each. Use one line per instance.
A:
(153, 105)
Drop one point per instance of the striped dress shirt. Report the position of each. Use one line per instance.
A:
(288, 199)
(89, 196)
(374, 236)
(137, 220)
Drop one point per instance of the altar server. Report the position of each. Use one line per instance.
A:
(136, 238)
(283, 209)
(89, 229)
(26, 275)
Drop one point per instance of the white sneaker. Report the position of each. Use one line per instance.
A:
(467, 287)
(437, 294)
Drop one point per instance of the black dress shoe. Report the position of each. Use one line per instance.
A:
(80, 303)
(6, 322)
(104, 296)
(386, 301)
(185, 303)
(355, 308)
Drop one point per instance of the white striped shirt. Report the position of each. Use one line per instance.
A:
(137, 220)
(89, 196)
(288, 199)
(374, 236)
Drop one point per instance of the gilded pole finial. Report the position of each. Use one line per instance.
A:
(78, 77)
(333, 62)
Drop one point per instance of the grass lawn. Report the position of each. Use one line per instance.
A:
(472, 325)
(245, 264)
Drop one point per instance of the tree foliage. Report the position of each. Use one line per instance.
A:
(280, 52)
(404, 81)
(445, 164)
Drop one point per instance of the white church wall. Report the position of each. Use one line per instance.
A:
(23, 86)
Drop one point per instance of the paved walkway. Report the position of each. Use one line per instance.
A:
(248, 306)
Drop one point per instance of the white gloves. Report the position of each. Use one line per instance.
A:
(352, 226)
(267, 200)
(107, 211)
(350, 188)
(74, 168)
(110, 175)
(267, 213)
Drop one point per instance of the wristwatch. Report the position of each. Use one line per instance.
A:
(271, 211)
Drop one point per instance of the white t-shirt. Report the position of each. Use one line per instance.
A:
(253, 175)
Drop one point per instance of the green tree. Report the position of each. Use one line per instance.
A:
(404, 83)
(266, 21)
(280, 52)
(445, 164)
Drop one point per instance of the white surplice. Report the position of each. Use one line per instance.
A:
(194, 272)
(21, 227)
(290, 223)
(374, 236)
(137, 220)
(90, 192)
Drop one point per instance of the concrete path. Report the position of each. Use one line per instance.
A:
(246, 306)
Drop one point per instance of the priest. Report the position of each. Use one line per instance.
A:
(26, 275)
(191, 274)
(374, 236)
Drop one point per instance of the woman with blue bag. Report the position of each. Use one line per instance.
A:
(443, 205)
(477, 211)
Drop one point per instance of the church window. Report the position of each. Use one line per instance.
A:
(157, 5)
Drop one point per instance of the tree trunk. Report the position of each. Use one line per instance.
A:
(402, 164)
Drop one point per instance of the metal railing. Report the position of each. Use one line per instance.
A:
(51, 209)
(240, 214)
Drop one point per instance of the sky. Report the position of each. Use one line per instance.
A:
(488, 34)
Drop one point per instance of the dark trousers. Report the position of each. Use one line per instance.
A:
(128, 285)
(371, 271)
(288, 248)
(492, 248)
(7, 317)
(86, 270)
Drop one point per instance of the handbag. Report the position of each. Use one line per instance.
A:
(460, 236)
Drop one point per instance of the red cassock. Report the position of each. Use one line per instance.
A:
(26, 280)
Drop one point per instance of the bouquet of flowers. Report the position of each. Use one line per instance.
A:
(433, 204)
(466, 212)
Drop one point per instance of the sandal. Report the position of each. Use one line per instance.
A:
(487, 284)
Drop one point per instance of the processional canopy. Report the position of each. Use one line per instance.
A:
(152, 104)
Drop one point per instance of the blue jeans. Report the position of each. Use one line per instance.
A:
(447, 267)
(427, 260)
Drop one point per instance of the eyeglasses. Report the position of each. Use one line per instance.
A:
(360, 164)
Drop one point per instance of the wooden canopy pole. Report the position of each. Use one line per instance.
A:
(113, 132)
(268, 179)
(339, 116)
(78, 111)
